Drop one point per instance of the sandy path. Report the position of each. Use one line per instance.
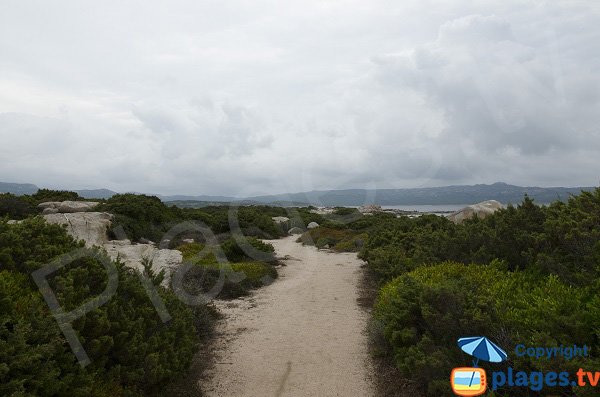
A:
(301, 336)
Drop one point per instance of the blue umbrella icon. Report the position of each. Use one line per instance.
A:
(482, 348)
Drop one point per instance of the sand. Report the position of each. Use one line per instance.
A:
(303, 335)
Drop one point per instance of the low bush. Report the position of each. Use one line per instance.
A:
(422, 314)
(43, 195)
(337, 239)
(249, 248)
(241, 276)
(16, 207)
(132, 352)
(256, 274)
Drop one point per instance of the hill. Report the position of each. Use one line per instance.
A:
(18, 188)
(459, 194)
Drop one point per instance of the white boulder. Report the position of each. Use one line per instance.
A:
(132, 256)
(49, 204)
(312, 225)
(280, 219)
(369, 209)
(90, 227)
(76, 206)
(67, 206)
(481, 210)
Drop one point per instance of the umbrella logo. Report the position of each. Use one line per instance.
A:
(472, 381)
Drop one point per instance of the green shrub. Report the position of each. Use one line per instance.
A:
(43, 195)
(337, 239)
(248, 249)
(255, 273)
(425, 311)
(16, 207)
(249, 274)
(141, 216)
(132, 351)
(345, 211)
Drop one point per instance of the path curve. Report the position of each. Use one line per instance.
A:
(303, 335)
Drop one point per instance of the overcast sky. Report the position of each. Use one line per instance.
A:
(250, 97)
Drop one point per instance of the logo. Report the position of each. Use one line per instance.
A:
(472, 381)
(468, 381)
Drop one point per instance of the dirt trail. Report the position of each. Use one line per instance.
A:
(301, 336)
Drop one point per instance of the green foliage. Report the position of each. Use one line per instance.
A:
(33, 356)
(345, 211)
(43, 195)
(561, 239)
(141, 216)
(337, 239)
(247, 249)
(255, 273)
(26, 246)
(132, 351)
(536, 282)
(244, 274)
(16, 207)
(425, 311)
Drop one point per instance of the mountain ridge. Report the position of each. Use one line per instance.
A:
(452, 194)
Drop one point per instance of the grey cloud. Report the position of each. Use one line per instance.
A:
(252, 98)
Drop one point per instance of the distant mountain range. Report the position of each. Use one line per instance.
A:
(459, 194)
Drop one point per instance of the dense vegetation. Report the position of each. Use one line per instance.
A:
(527, 274)
(148, 217)
(132, 351)
(244, 274)
(20, 207)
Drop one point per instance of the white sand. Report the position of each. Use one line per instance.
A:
(304, 335)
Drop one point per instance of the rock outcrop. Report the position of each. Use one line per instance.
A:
(67, 206)
(480, 210)
(295, 230)
(133, 255)
(323, 210)
(312, 225)
(369, 209)
(280, 219)
(90, 227)
(282, 222)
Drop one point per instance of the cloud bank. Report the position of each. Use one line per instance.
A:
(244, 98)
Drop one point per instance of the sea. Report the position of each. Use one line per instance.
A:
(432, 209)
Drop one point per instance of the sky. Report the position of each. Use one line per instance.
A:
(244, 98)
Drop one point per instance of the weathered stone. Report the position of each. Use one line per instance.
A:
(68, 206)
(49, 210)
(295, 230)
(49, 204)
(480, 210)
(312, 225)
(90, 227)
(76, 206)
(369, 209)
(133, 255)
(280, 219)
